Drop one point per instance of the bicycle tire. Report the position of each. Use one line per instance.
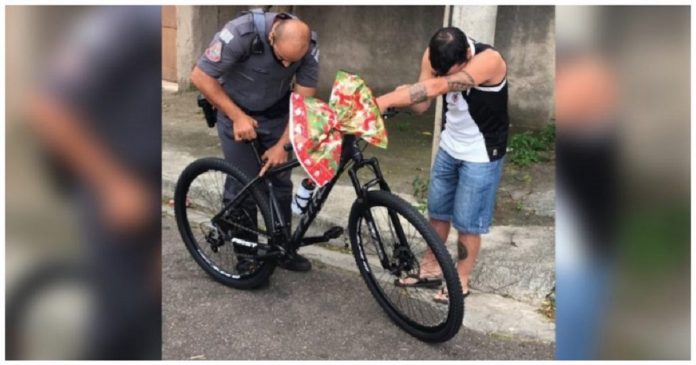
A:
(253, 280)
(435, 333)
(27, 292)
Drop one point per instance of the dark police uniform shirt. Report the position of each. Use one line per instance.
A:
(255, 82)
(109, 71)
(476, 121)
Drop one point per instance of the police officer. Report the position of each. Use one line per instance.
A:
(247, 73)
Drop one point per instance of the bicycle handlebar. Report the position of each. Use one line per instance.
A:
(392, 112)
(262, 132)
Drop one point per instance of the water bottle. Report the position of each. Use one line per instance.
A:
(303, 195)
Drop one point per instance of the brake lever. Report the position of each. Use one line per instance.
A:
(390, 113)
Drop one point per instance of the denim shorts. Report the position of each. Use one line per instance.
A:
(463, 192)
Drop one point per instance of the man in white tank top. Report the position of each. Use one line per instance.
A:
(464, 179)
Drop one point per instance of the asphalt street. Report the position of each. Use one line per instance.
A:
(325, 314)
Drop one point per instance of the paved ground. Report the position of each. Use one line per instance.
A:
(325, 314)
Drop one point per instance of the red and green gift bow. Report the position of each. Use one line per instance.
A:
(317, 128)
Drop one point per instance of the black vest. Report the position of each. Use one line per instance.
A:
(489, 109)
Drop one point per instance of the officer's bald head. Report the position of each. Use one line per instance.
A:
(290, 38)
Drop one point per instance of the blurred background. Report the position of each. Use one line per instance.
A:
(83, 163)
(623, 201)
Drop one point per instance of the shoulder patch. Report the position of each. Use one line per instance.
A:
(315, 53)
(214, 52)
(226, 35)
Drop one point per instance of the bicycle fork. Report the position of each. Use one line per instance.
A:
(361, 191)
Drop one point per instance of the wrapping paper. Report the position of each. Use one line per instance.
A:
(317, 127)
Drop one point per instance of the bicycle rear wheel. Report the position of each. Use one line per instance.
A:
(48, 312)
(223, 248)
(389, 239)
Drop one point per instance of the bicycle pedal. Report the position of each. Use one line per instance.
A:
(333, 232)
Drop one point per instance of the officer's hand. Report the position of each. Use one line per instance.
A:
(274, 156)
(244, 127)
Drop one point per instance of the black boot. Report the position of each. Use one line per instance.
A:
(295, 262)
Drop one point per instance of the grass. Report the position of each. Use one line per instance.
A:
(420, 192)
(548, 307)
(527, 147)
(519, 206)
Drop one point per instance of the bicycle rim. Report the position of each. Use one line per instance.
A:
(222, 247)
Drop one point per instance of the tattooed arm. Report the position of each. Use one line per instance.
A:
(426, 73)
(460, 81)
(407, 95)
(486, 67)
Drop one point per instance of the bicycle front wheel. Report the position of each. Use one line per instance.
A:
(391, 241)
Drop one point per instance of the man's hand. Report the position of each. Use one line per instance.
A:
(125, 203)
(383, 104)
(244, 127)
(274, 156)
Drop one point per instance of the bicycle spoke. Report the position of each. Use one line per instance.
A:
(206, 196)
(414, 303)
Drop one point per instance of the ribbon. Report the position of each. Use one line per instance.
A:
(317, 128)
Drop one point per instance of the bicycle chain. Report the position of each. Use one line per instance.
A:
(245, 229)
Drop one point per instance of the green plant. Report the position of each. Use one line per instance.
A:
(420, 192)
(548, 135)
(403, 126)
(524, 148)
(548, 307)
(519, 206)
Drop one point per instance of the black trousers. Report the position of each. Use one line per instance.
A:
(241, 155)
(124, 271)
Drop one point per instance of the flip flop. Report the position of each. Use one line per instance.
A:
(430, 283)
(443, 297)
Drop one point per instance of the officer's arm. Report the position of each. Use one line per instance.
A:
(481, 69)
(213, 91)
(304, 90)
(285, 137)
(122, 196)
(307, 76)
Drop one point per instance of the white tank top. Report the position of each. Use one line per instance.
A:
(462, 138)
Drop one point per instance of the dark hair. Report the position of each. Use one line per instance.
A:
(448, 47)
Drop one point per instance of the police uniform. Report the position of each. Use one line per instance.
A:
(260, 85)
(108, 70)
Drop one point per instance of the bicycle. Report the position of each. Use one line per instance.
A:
(239, 245)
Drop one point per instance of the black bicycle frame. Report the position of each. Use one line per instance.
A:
(281, 229)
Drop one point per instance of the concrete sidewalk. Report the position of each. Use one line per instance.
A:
(514, 272)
